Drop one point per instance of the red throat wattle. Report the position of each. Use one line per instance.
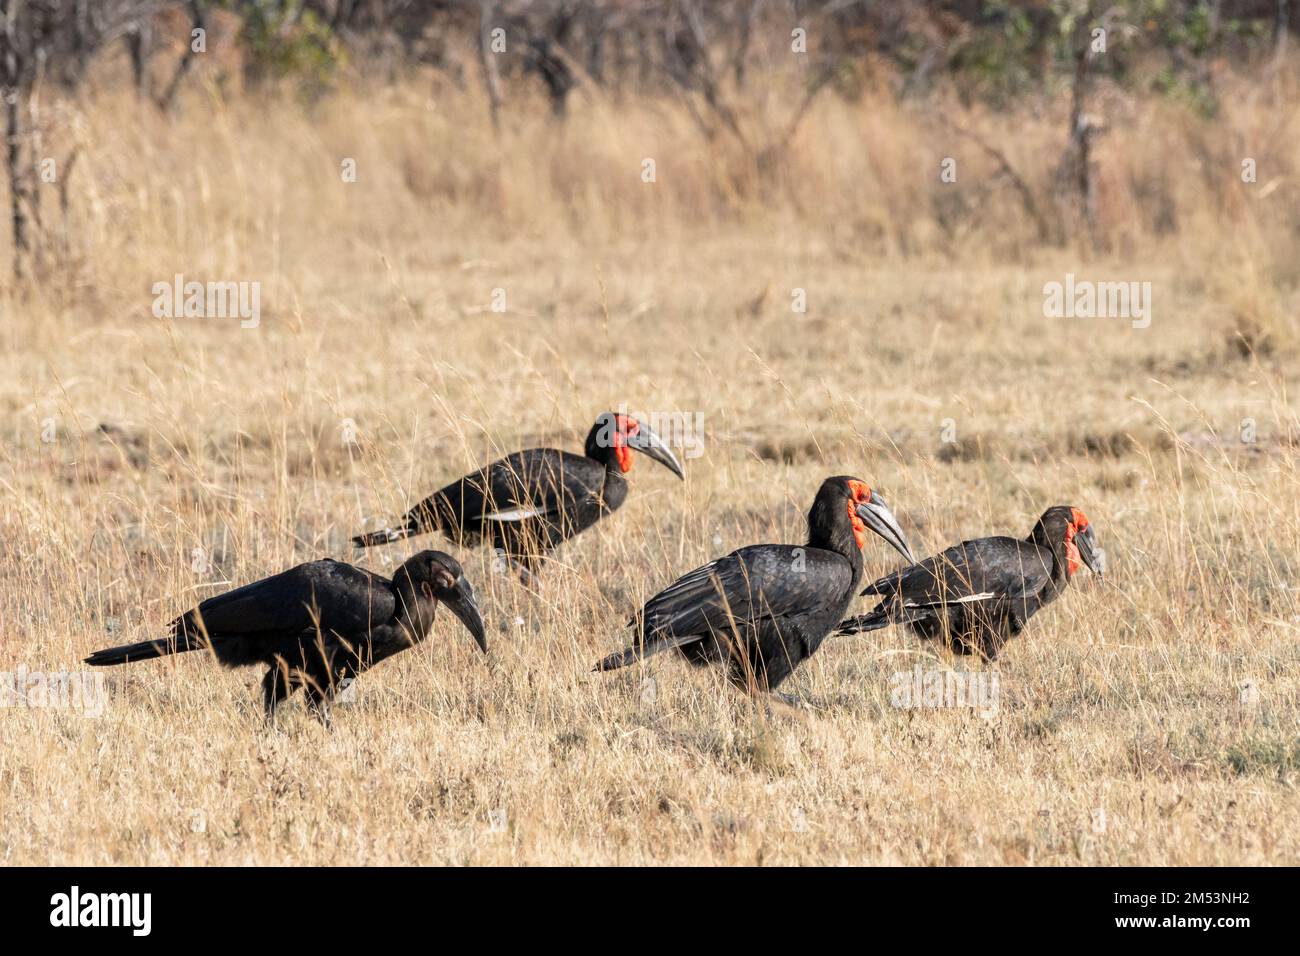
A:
(858, 493)
(625, 425)
(1078, 522)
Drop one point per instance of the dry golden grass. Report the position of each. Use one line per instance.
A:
(1120, 737)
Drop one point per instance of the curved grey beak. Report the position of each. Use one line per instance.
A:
(461, 602)
(652, 446)
(877, 516)
(1093, 556)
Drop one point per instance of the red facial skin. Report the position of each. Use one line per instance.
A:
(1078, 523)
(627, 425)
(858, 493)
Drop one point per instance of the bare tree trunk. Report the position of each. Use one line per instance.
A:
(1076, 166)
(30, 117)
(135, 49)
(168, 95)
(596, 37)
(739, 61)
(65, 241)
(1081, 134)
(17, 179)
(487, 60)
(12, 94)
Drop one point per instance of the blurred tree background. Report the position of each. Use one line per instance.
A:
(524, 57)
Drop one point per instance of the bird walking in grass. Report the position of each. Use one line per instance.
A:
(317, 625)
(528, 503)
(764, 609)
(977, 595)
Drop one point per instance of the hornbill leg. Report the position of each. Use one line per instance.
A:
(512, 544)
(525, 573)
(319, 689)
(992, 644)
(318, 701)
(783, 705)
(770, 701)
(275, 688)
(797, 703)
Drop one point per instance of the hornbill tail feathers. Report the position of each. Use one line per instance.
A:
(386, 535)
(144, 650)
(639, 651)
(863, 623)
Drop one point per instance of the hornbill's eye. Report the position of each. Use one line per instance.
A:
(858, 490)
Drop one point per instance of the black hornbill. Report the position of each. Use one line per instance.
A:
(318, 624)
(529, 502)
(764, 609)
(979, 594)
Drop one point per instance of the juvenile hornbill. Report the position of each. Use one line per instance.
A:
(317, 624)
(764, 609)
(528, 503)
(979, 594)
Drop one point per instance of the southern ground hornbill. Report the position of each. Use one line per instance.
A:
(317, 625)
(979, 594)
(529, 502)
(762, 610)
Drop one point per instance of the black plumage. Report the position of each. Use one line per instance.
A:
(977, 595)
(528, 503)
(317, 625)
(762, 610)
